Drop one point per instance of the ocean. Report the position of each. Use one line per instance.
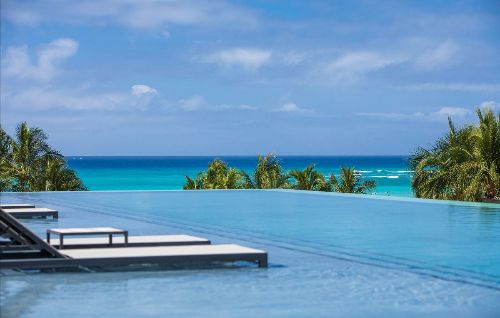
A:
(169, 173)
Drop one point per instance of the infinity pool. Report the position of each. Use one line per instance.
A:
(330, 255)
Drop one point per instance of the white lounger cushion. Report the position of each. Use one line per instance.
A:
(87, 230)
(187, 250)
(29, 210)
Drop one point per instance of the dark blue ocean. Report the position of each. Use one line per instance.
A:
(167, 173)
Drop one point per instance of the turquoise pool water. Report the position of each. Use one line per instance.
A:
(330, 255)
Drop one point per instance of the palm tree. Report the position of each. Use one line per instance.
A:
(218, 176)
(350, 182)
(487, 169)
(308, 179)
(196, 184)
(463, 165)
(6, 167)
(268, 174)
(28, 148)
(29, 163)
(54, 176)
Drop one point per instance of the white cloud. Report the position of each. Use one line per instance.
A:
(17, 62)
(192, 103)
(442, 113)
(248, 107)
(466, 87)
(292, 58)
(247, 58)
(20, 14)
(232, 107)
(494, 106)
(440, 55)
(451, 112)
(197, 102)
(353, 65)
(144, 95)
(45, 98)
(145, 14)
(140, 90)
(392, 115)
(291, 108)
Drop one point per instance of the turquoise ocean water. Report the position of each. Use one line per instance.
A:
(169, 173)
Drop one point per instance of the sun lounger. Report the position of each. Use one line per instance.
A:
(16, 206)
(32, 213)
(20, 238)
(170, 255)
(161, 255)
(133, 241)
(28, 251)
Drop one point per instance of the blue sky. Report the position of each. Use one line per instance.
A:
(148, 77)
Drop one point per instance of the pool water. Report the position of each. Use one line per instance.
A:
(330, 255)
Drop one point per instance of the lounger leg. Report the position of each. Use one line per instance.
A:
(126, 238)
(48, 237)
(263, 262)
(110, 239)
(61, 241)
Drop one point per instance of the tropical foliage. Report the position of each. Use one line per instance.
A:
(308, 179)
(269, 174)
(350, 182)
(29, 163)
(218, 176)
(463, 165)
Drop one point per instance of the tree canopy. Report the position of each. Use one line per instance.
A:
(350, 182)
(462, 165)
(29, 163)
(269, 174)
(218, 176)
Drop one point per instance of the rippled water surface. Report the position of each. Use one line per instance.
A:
(330, 255)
